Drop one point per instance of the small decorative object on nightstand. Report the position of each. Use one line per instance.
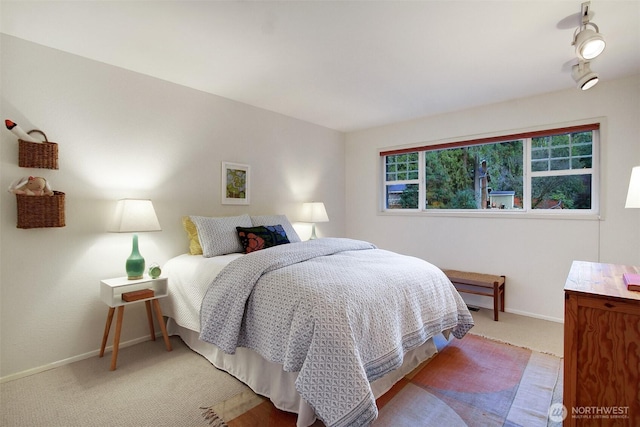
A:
(119, 292)
(154, 271)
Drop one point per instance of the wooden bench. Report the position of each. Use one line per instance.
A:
(480, 284)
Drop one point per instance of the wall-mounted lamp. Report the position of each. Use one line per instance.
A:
(589, 44)
(133, 216)
(314, 212)
(633, 195)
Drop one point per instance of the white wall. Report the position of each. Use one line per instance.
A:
(124, 135)
(539, 253)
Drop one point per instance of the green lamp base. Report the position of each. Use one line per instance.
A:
(135, 262)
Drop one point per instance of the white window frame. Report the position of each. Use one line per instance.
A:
(593, 171)
(527, 178)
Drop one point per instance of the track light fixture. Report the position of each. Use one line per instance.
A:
(589, 43)
(584, 77)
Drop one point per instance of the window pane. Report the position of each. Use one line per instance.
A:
(559, 140)
(582, 137)
(581, 162)
(402, 196)
(540, 142)
(540, 153)
(562, 152)
(561, 192)
(401, 167)
(559, 164)
(465, 177)
(540, 165)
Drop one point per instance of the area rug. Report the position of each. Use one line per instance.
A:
(470, 382)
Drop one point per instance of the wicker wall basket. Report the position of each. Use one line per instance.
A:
(37, 154)
(41, 211)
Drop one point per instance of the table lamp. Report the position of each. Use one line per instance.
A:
(314, 212)
(132, 216)
(633, 195)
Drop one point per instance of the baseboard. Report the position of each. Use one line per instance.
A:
(534, 315)
(77, 358)
(523, 313)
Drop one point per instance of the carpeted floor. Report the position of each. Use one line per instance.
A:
(470, 382)
(153, 387)
(537, 334)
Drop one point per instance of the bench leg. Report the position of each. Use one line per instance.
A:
(502, 296)
(496, 291)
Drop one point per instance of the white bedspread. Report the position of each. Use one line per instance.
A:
(340, 312)
(189, 278)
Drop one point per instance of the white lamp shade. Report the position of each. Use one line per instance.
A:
(314, 212)
(633, 195)
(133, 215)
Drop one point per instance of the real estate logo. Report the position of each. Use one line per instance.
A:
(557, 412)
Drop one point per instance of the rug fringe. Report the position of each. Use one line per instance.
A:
(513, 345)
(214, 419)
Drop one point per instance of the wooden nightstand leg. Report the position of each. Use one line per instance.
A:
(163, 328)
(116, 338)
(150, 319)
(107, 327)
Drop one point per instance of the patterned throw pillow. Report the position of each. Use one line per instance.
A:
(218, 236)
(277, 219)
(261, 237)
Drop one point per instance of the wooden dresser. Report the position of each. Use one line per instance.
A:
(601, 346)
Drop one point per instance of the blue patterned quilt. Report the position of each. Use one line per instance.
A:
(340, 312)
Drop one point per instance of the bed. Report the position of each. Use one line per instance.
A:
(304, 322)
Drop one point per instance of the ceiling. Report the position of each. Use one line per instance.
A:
(346, 65)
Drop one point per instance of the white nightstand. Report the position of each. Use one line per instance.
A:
(111, 291)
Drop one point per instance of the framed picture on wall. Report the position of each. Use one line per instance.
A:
(235, 184)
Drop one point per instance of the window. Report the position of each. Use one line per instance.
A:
(547, 171)
(403, 180)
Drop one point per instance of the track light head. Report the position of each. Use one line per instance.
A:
(583, 76)
(588, 43)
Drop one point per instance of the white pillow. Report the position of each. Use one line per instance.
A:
(275, 220)
(218, 236)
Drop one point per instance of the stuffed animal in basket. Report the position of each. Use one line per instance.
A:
(31, 186)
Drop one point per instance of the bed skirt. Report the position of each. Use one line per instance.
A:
(270, 380)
